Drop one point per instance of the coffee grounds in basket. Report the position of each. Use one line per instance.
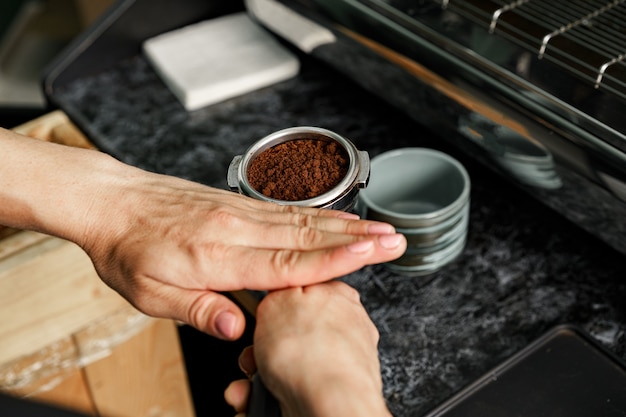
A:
(299, 169)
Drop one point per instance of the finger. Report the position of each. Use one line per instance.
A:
(289, 230)
(349, 293)
(353, 296)
(324, 219)
(247, 362)
(263, 206)
(236, 395)
(306, 238)
(291, 214)
(275, 269)
(345, 290)
(207, 311)
(335, 223)
(210, 195)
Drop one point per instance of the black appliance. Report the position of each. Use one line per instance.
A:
(534, 89)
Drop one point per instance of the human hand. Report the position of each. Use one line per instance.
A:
(168, 245)
(316, 350)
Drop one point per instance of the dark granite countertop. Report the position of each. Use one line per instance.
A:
(524, 269)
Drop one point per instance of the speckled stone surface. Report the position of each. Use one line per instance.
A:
(524, 269)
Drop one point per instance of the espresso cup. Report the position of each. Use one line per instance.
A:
(425, 194)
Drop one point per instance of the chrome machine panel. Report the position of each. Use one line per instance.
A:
(534, 89)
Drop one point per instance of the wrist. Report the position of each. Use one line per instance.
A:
(342, 397)
(51, 188)
(327, 393)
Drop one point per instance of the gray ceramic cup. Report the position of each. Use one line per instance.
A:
(425, 194)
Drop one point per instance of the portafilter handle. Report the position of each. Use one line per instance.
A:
(261, 402)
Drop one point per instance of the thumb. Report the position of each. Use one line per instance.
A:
(207, 311)
(214, 313)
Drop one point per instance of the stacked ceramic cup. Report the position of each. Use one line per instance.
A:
(425, 194)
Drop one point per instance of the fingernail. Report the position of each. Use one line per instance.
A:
(225, 324)
(360, 246)
(246, 362)
(390, 241)
(380, 229)
(349, 216)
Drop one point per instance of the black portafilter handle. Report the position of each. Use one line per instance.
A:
(261, 402)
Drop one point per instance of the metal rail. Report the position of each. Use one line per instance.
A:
(586, 37)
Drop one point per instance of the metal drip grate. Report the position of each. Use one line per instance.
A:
(586, 37)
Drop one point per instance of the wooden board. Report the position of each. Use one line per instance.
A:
(147, 375)
(70, 340)
(48, 291)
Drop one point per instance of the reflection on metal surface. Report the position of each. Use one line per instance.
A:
(300, 31)
(525, 159)
(550, 119)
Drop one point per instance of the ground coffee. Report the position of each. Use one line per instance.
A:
(298, 169)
